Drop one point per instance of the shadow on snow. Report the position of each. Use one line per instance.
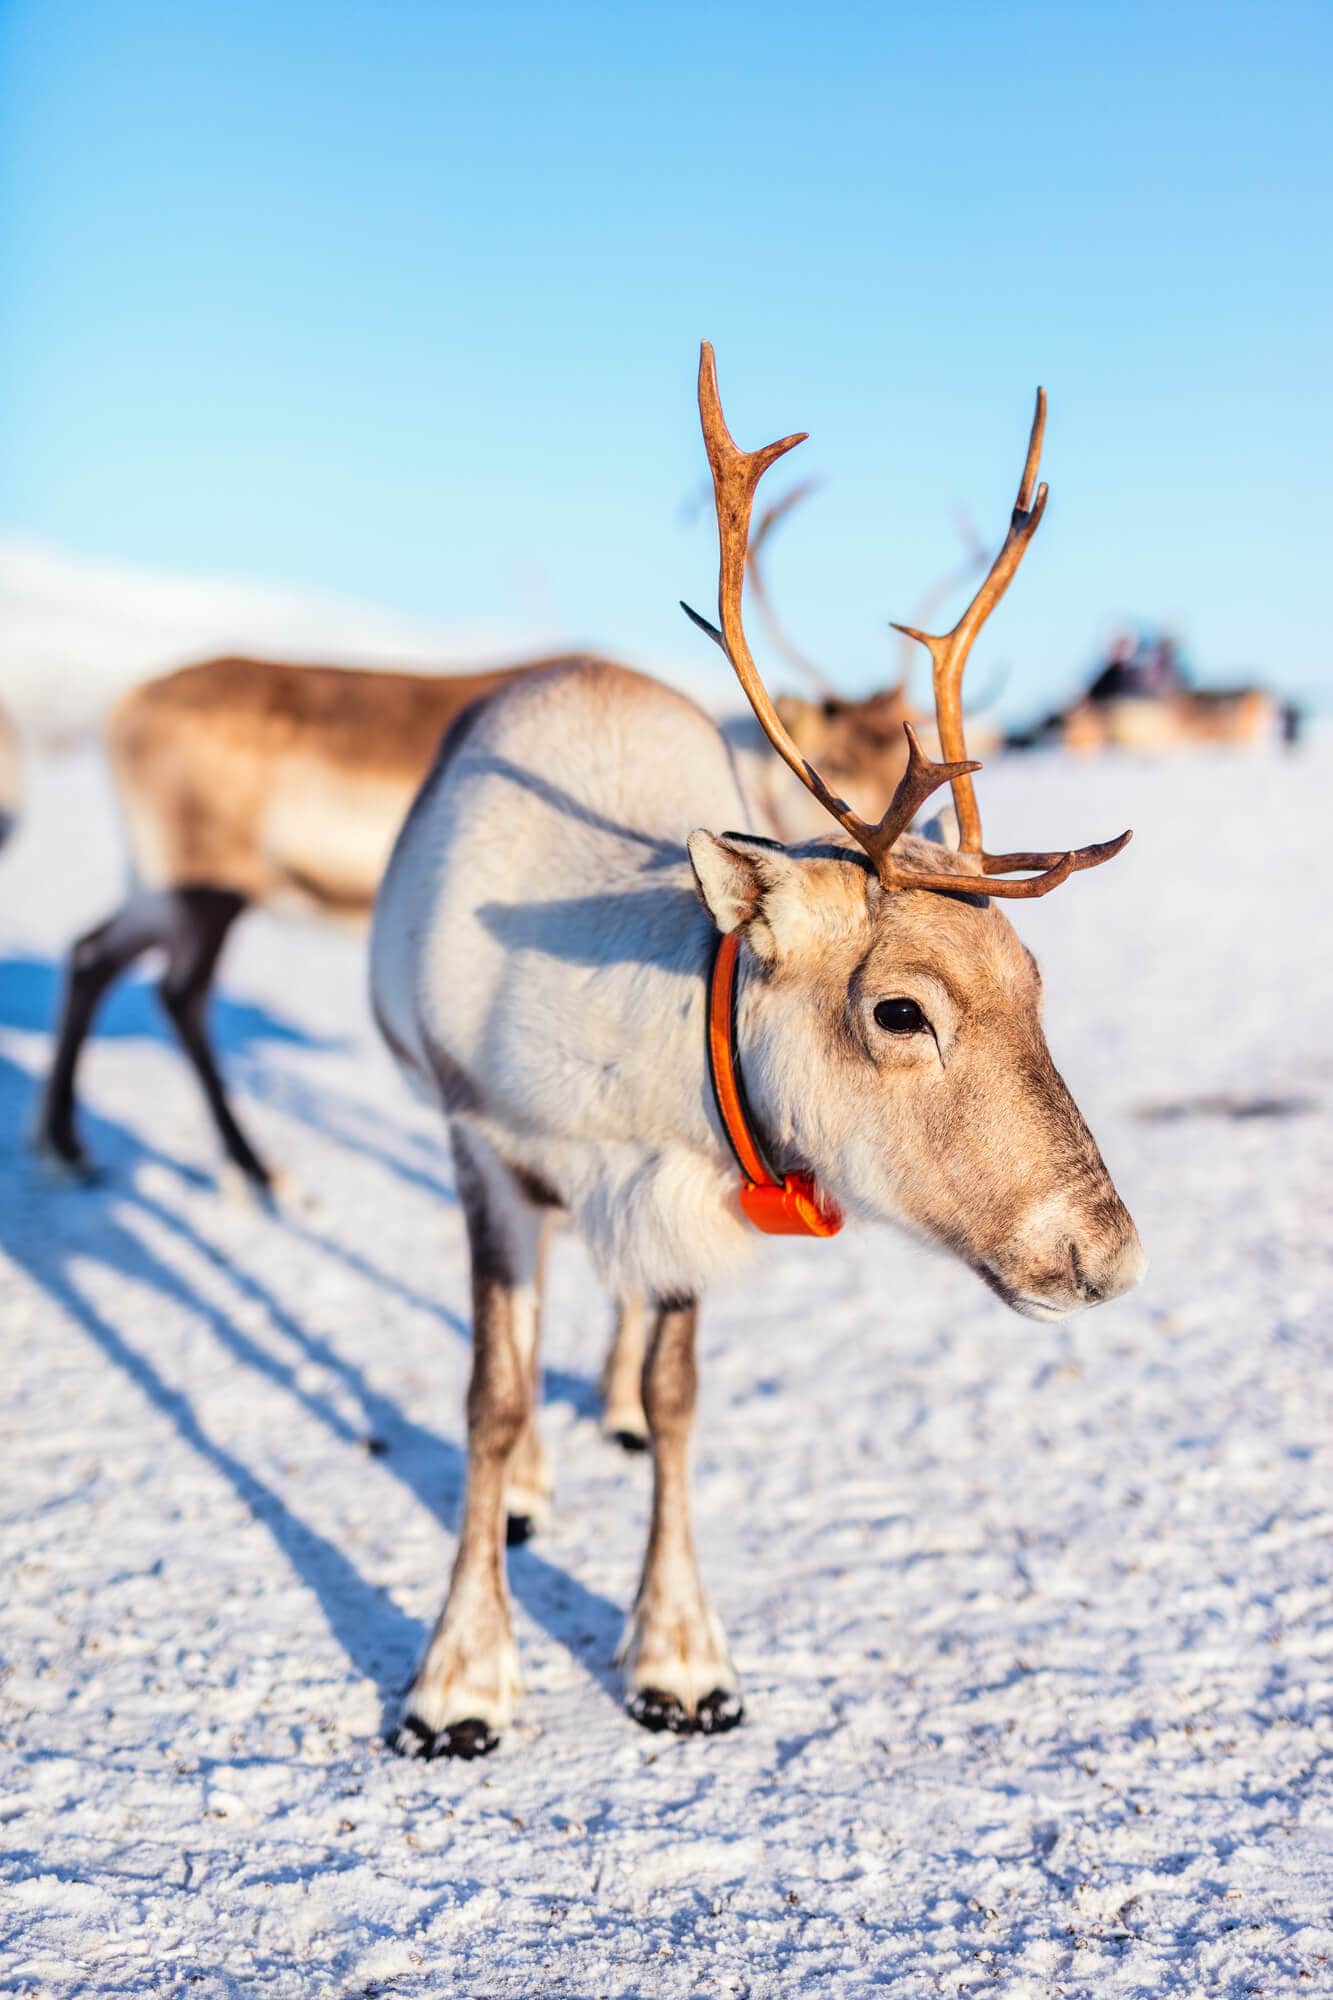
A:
(52, 1233)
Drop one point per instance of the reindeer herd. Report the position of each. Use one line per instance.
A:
(679, 985)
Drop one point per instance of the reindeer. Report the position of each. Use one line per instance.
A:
(580, 973)
(243, 782)
(1244, 717)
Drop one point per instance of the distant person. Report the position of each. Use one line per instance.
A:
(1117, 676)
(1161, 672)
(1132, 672)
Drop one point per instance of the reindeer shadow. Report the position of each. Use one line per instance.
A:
(53, 1234)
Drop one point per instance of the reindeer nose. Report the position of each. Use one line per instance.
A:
(1107, 1269)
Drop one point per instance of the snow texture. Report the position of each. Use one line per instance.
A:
(1033, 1621)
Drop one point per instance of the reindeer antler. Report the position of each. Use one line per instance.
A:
(736, 475)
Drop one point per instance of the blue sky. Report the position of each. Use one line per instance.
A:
(403, 303)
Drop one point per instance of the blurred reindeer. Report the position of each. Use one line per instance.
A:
(1142, 702)
(243, 782)
(859, 743)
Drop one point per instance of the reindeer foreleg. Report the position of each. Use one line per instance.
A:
(678, 1671)
(465, 1688)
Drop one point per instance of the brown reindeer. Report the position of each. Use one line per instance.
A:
(244, 782)
(1243, 717)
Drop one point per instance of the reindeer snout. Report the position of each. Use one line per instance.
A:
(1103, 1270)
(1060, 1261)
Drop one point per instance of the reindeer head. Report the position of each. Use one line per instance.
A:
(892, 1030)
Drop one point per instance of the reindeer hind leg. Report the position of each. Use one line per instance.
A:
(200, 921)
(527, 1493)
(95, 962)
(623, 1421)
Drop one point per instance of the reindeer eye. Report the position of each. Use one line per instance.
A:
(900, 1017)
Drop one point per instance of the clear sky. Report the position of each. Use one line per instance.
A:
(403, 302)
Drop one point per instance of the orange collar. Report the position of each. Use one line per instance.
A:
(791, 1206)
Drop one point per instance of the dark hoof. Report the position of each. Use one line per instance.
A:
(469, 1738)
(631, 1441)
(65, 1160)
(519, 1528)
(719, 1712)
(652, 1709)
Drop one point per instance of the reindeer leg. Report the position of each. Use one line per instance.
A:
(464, 1691)
(95, 962)
(527, 1492)
(201, 919)
(677, 1667)
(623, 1420)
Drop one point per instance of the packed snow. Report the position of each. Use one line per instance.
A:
(1033, 1621)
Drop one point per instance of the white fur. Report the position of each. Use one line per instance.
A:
(469, 1670)
(673, 1642)
(539, 927)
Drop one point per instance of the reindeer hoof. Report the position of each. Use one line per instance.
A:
(519, 1528)
(719, 1712)
(652, 1709)
(631, 1441)
(469, 1738)
(64, 1161)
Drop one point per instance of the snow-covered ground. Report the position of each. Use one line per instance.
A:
(1033, 1621)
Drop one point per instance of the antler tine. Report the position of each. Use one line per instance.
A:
(918, 781)
(949, 651)
(768, 520)
(1083, 857)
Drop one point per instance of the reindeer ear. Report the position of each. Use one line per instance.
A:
(730, 876)
(785, 902)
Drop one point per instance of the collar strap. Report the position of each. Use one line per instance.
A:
(787, 1207)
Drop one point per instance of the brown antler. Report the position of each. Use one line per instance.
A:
(768, 520)
(736, 475)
